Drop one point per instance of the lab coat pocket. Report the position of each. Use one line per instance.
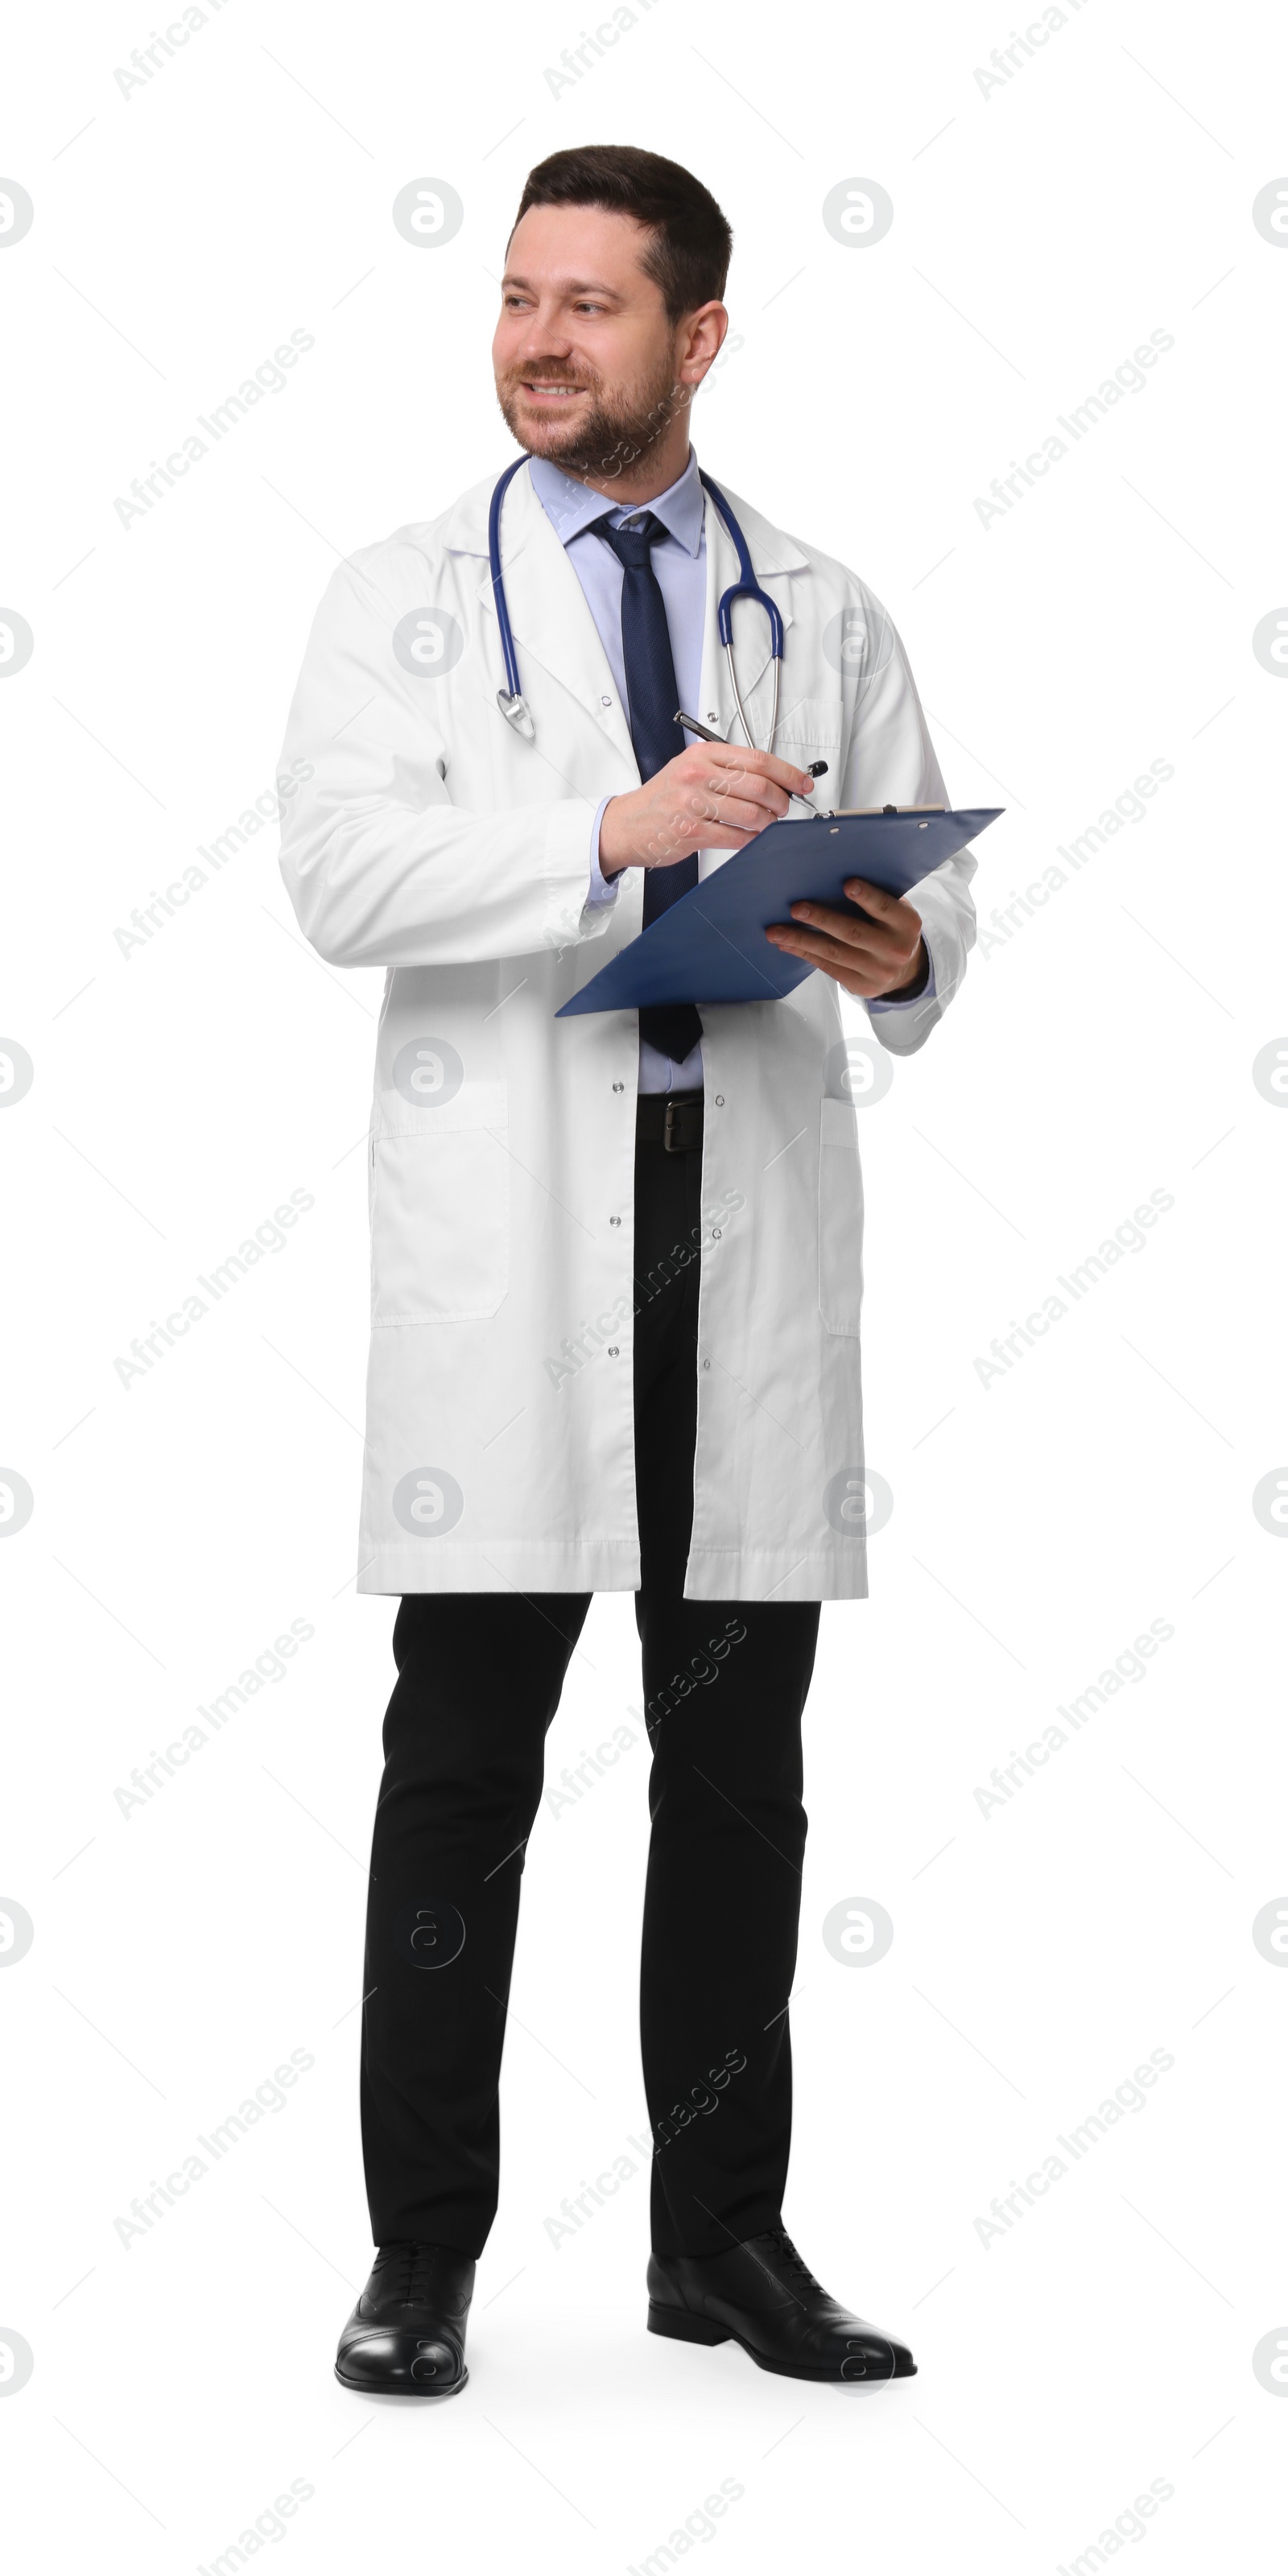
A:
(811, 730)
(440, 1211)
(840, 1217)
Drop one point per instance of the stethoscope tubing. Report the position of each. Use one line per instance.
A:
(508, 654)
(511, 700)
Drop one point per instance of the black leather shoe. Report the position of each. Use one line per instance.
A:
(762, 2295)
(406, 2336)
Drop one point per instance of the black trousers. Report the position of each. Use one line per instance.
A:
(479, 1679)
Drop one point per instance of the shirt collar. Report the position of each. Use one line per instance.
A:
(571, 507)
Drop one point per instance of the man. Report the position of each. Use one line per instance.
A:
(616, 1267)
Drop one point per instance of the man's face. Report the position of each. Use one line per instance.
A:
(589, 371)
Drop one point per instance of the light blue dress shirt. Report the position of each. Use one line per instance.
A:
(680, 563)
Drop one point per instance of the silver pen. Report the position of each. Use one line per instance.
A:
(817, 768)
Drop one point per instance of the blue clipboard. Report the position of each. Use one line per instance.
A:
(711, 945)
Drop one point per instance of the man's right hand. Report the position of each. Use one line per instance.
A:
(714, 796)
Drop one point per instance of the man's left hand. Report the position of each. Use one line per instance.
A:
(874, 953)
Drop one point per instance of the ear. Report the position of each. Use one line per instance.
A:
(701, 338)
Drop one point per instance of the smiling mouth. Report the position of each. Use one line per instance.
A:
(542, 389)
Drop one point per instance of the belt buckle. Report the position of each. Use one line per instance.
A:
(676, 1133)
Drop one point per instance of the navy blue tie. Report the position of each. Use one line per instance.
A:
(653, 698)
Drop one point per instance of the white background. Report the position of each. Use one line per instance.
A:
(1042, 231)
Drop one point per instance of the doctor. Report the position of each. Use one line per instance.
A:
(616, 1259)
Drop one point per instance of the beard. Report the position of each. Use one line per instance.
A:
(615, 430)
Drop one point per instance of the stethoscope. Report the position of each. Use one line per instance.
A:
(511, 701)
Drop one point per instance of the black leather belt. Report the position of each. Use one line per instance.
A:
(672, 1119)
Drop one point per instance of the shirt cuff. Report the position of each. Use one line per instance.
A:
(887, 1002)
(601, 890)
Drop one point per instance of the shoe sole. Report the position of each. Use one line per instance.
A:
(683, 2327)
(365, 2388)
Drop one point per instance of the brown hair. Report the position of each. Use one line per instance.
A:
(689, 252)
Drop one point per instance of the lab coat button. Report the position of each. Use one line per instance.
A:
(614, 1220)
(720, 1100)
(619, 1086)
(613, 1351)
(605, 702)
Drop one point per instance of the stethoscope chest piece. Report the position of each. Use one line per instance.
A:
(516, 712)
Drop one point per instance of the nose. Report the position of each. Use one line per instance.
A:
(544, 338)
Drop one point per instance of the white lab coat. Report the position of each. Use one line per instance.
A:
(432, 840)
